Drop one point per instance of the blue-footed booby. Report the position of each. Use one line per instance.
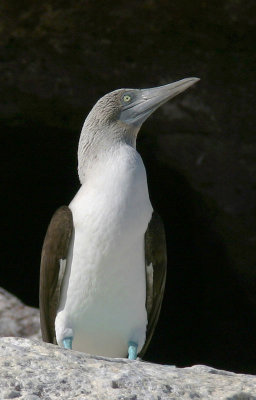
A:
(103, 265)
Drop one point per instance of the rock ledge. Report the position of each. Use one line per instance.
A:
(32, 370)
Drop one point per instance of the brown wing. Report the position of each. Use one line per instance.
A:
(55, 248)
(156, 267)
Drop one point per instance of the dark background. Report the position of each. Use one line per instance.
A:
(56, 59)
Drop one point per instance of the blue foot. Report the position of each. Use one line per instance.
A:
(67, 343)
(132, 350)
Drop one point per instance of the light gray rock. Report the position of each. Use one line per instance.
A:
(17, 319)
(32, 370)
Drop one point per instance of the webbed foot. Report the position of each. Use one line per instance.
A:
(67, 342)
(132, 350)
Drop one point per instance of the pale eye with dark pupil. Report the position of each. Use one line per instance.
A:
(127, 98)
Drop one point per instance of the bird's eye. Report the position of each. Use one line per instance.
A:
(127, 98)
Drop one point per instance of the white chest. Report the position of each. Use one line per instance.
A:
(103, 296)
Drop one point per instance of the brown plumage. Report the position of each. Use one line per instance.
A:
(55, 248)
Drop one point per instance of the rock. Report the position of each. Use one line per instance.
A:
(32, 370)
(17, 319)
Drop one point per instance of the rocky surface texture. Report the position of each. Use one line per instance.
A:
(31, 370)
(16, 319)
(56, 59)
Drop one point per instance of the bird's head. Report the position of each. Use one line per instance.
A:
(118, 116)
(134, 106)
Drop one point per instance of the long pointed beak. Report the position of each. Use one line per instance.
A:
(148, 100)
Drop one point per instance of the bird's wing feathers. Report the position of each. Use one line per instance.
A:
(156, 266)
(54, 252)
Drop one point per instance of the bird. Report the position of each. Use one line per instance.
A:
(103, 262)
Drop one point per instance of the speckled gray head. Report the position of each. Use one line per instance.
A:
(118, 116)
(134, 106)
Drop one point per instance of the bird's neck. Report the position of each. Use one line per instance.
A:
(117, 163)
(96, 149)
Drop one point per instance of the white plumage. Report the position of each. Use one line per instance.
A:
(103, 296)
